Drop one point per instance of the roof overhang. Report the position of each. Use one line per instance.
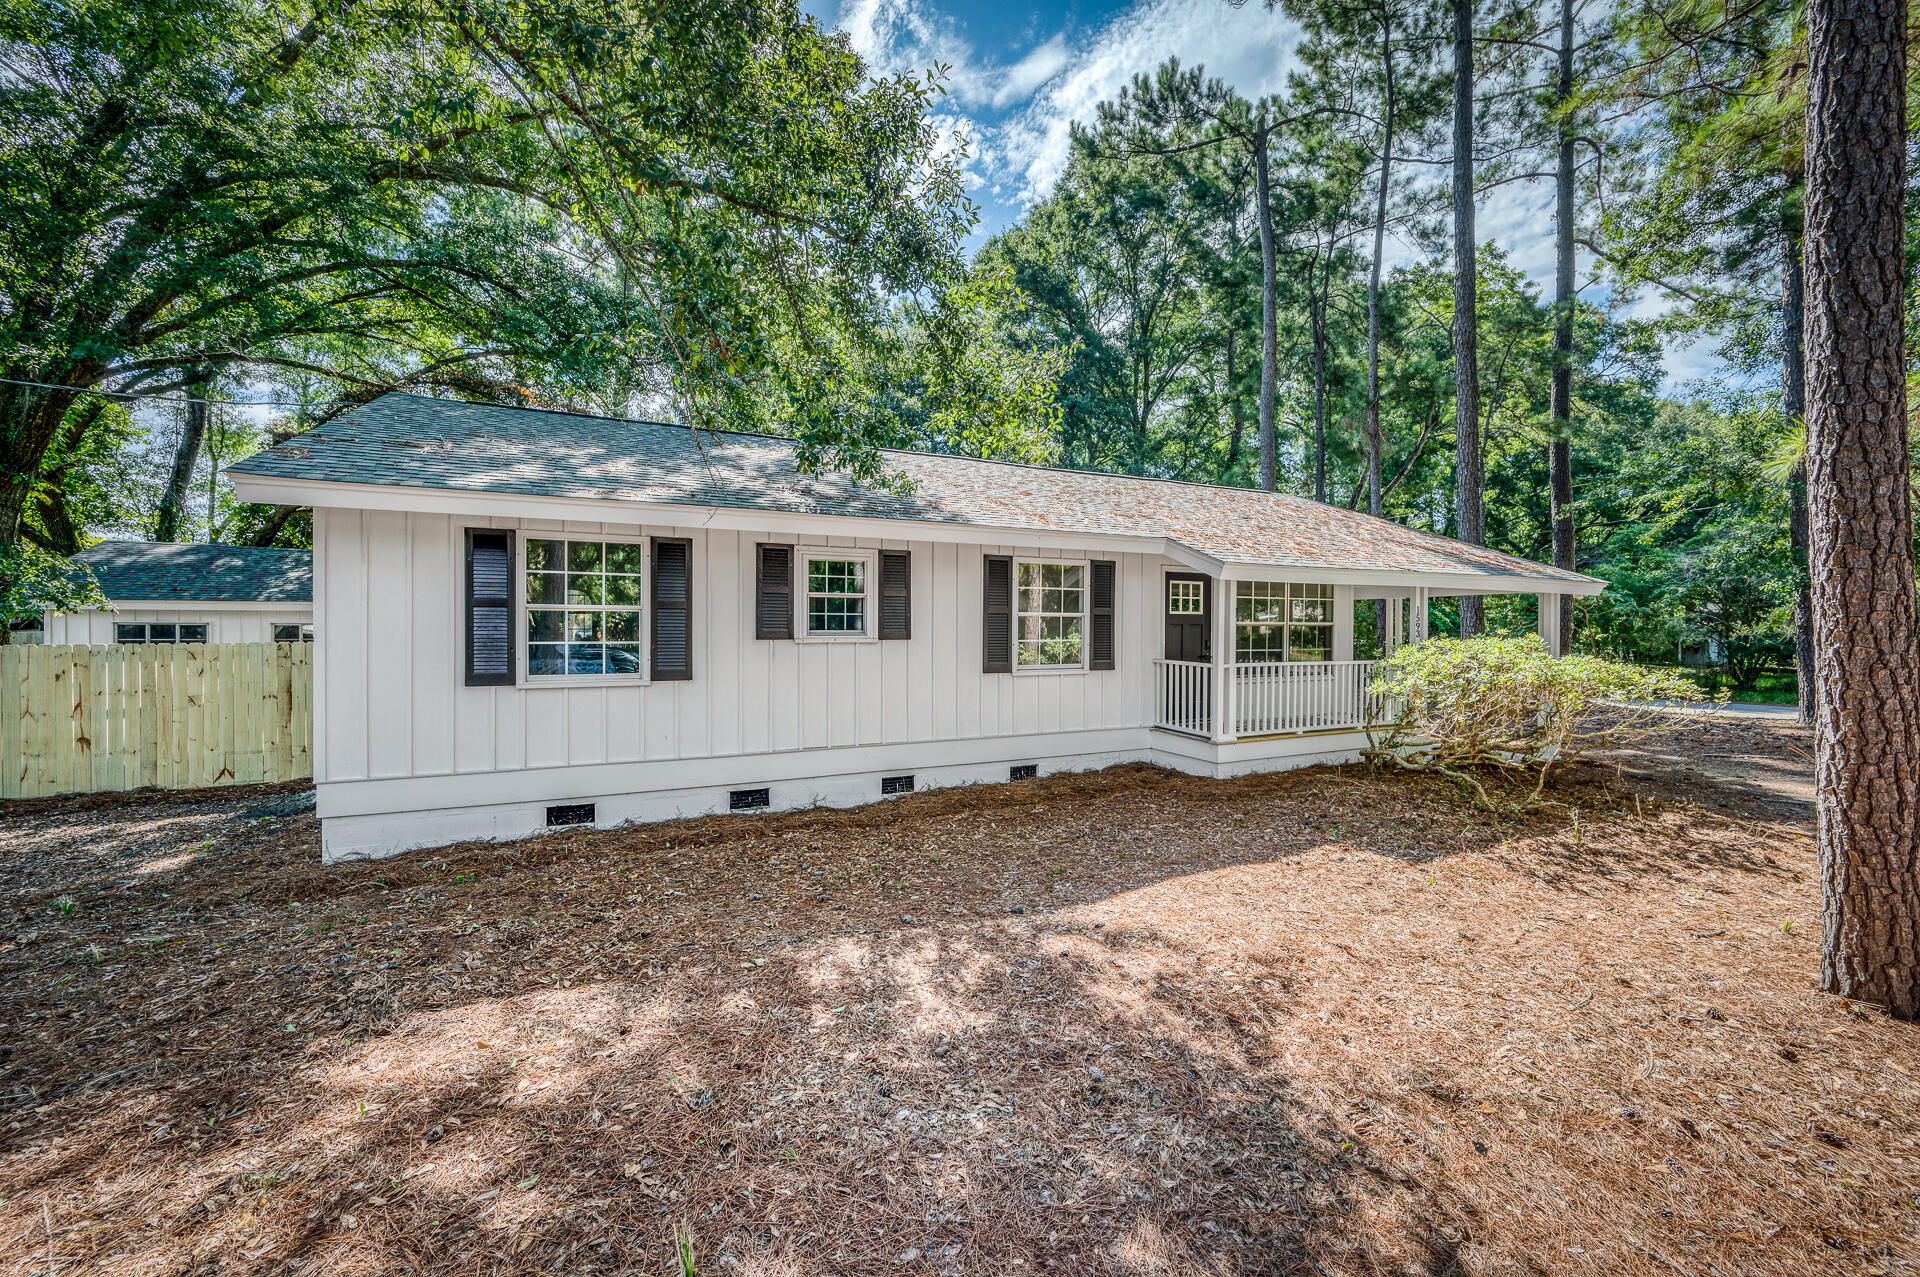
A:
(461, 503)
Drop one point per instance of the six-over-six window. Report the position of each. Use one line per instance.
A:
(1052, 605)
(836, 587)
(1275, 621)
(583, 607)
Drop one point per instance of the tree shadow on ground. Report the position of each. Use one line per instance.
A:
(1050, 1027)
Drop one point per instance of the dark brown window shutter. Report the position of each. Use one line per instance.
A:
(896, 594)
(1100, 616)
(997, 571)
(773, 598)
(672, 609)
(489, 608)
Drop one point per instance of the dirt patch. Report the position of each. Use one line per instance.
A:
(1322, 1022)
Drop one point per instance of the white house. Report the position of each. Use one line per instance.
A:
(534, 618)
(163, 592)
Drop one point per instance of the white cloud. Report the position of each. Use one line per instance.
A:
(902, 36)
(1018, 82)
(1250, 48)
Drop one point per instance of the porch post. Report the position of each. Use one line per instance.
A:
(1394, 638)
(1225, 710)
(1550, 623)
(1417, 622)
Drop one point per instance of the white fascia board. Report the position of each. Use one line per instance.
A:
(451, 501)
(1390, 583)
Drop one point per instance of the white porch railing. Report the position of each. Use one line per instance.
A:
(1268, 698)
(1184, 697)
(1273, 697)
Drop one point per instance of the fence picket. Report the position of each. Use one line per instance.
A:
(87, 719)
(302, 720)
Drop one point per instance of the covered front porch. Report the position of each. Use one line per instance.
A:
(1252, 657)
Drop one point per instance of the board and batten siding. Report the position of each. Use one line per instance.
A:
(389, 603)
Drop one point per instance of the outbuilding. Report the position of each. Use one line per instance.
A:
(529, 618)
(167, 592)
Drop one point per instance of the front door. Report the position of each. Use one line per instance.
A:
(1189, 608)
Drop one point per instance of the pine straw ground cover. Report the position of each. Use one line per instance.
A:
(1124, 1023)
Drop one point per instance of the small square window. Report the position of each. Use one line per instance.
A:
(1184, 598)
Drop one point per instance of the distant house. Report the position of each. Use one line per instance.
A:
(190, 593)
(532, 618)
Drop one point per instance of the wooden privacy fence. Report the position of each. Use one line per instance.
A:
(81, 719)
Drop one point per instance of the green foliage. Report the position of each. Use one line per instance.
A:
(34, 582)
(580, 203)
(1465, 705)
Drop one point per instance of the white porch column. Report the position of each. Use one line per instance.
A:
(1225, 712)
(1396, 636)
(1417, 622)
(1343, 622)
(1550, 623)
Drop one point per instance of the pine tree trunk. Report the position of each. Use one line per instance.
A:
(1323, 289)
(1269, 319)
(1469, 521)
(1560, 447)
(1793, 395)
(1235, 407)
(1867, 738)
(1375, 442)
(173, 502)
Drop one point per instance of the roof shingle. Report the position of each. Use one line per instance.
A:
(147, 570)
(414, 441)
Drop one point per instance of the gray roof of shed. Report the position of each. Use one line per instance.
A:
(408, 440)
(150, 570)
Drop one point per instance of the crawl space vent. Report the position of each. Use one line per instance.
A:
(570, 814)
(896, 785)
(748, 799)
(1023, 771)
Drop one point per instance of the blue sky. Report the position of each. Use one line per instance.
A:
(1021, 74)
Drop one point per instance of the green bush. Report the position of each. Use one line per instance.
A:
(1461, 706)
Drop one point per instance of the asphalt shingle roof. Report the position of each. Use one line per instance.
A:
(147, 570)
(414, 441)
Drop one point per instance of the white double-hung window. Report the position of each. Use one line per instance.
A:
(838, 587)
(1276, 621)
(1051, 622)
(582, 607)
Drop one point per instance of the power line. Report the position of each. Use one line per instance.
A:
(154, 398)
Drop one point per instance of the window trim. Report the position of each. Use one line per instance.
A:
(306, 626)
(523, 677)
(803, 555)
(1086, 616)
